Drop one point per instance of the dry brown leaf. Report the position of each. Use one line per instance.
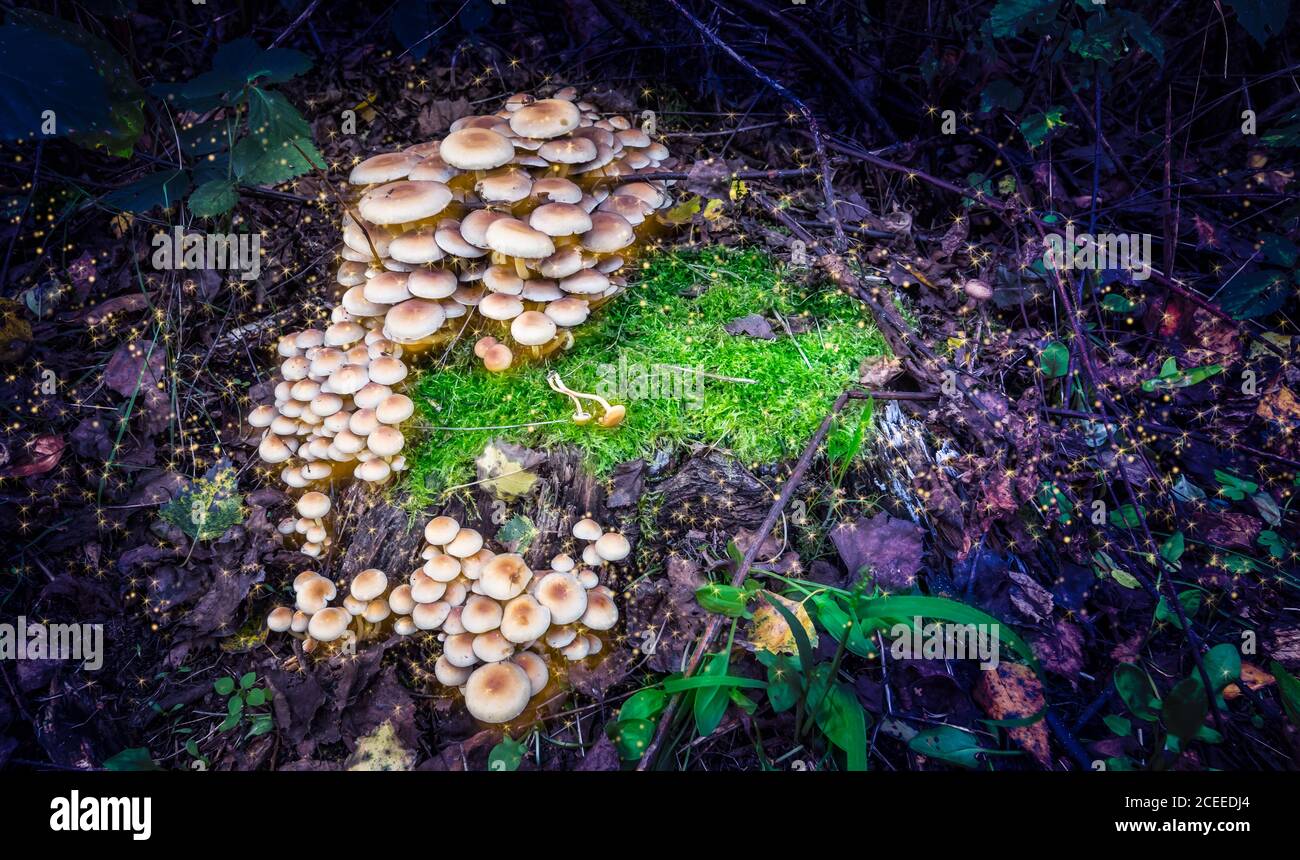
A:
(1010, 692)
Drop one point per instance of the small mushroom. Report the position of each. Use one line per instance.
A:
(497, 692)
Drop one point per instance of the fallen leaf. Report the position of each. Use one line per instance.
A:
(1255, 678)
(381, 750)
(888, 548)
(1012, 691)
(752, 325)
(505, 470)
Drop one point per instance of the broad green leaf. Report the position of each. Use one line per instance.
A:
(1120, 726)
(132, 759)
(1136, 691)
(723, 599)
(1223, 665)
(1055, 360)
(630, 737)
(1262, 19)
(953, 745)
(710, 702)
(644, 704)
(164, 188)
(1038, 127)
(1288, 687)
(903, 608)
(506, 755)
(1256, 294)
(224, 686)
(213, 198)
(1185, 708)
(840, 716)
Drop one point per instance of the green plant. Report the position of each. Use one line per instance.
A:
(208, 507)
(242, 695)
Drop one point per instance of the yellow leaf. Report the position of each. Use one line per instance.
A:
(503, 477)
(770, 632)
(713, 210)
(683, 212)
(382, 749)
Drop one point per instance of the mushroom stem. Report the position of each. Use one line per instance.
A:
(580, 415)
(613, 414)
(520, 269)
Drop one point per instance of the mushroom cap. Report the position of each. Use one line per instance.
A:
(377, 610)
(585, 282)
(532, 328)
(590, 556)
(466, 543)
(587, 529)
(404, 200)
(405, 626)
(588, 578)
(514, 238)
(612, 546)
(273, 449)
(280, 619)
(601, 613)
(505, 576)
(386, 370)
(473, 227)
(569, 150)
(440, 531)
(459, 650)
(558, 637)
(300, 621)
(476, 149)
(329, 624)
(369, 584)
(313, 596)
(426, 589)
(535, 668)
(497, 692)
(564, 262)
(433, 167)
(568, 311)
(497, 358)
(386, 441)
(545, 118)
(303, 578)
(559, 219)
(609, 232)
(503, 279)
(562, 562)
(431, 283)
(556, 189)
(492, 647)
(442, 568)
(509, 185)
(400, 599)
(472, 565)
(577, 649)
(499, 306)
(561, 593)
(374, 471)
(394, 409)
(524, 619)
(416, 247)
(413, 320)
(449, 675)
(451, 240)
(383, 168)
(634, 209)
(430, 616)
(262, 416)
(313, 505)
(385, 288)
(541, 290)
(480, 614)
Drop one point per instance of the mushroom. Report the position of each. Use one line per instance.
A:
(497, 692)
(524, 619)
(369, 584)
(535, 668)
(492, 647)
(329, 624)
(449, 675)
(280, 619)
(505, 576)
(612, 546)
(481, 614)
(562, 594)
(441, 531)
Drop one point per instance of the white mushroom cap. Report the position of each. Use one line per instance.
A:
(562, 562)
(545, 118)
(405, 626)
(459, 650)
(403, 201)
(587, 529)
(442, 568)
(555, 189)
(280, 619)
(431, 283)
(313, 505)
(449, 238)
(568, 150)
(505, 576)
(385, 288)
(426, 589)
(594, 645)
(262, 416)
(440, 531)
(563, 595)
(394, 409)
(449, 675)
(452, 625)
(300, 621)
(609, 232)
(588, 578)
(532, 328)
(585, 282)
(499, 306)
(400, 599)
(541, 290)
(577, 649)
(535, 667)
(473, 227)
(472, 565)
(383, 168)
(509, 185)
(476, 149)
(514, 238)
(363, 422)
(480, 614)
(466, 543)
(386, 370)
(591, 557)
(416, 247)
(612, 546)
(564, 262)
(492, 647)
(503, 279)
(568, 311)
(601, 613)
(430, 616)
(524, 619)
(558, 637)
(413, 320)
(370, 395)
(376, 610)
(349, 379)
(273, 449)
(497, 692)
(373, 471)
(355, 302)
(329, 624)
(369, 584)
(559, 219)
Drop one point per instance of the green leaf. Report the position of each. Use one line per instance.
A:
(784, 680)
(801, 641)
(644, 704)
(1262, 19)
(710, 701)
(630, 737)
(953, 745)
(1185, 708)
(224, 686)
(1126, 517)
(212, 198)
(1273, 542)
(1172, 549)
(1191, 601)
(247, 680)
(165, 188)
(1255, 294)
(1055, 360)
(276, 132)
(1037, 127)
(1116, 303)
(1136, 691)
(238, 63)
(506, 755)
(835, 620)
(723, 599)
(840, 716)
(261, 724)
(41, 72)
(1120, 726)
(1223, 665)
(903, 608)
(256, 698)
(1288, 687)
(518, 534)
(1233, 487)
(1009, 17)
(133, 759)
(1001, 94)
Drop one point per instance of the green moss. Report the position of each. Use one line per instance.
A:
(673, 316)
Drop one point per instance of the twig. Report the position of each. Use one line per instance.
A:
(297, 22)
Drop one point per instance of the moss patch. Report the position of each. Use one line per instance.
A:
(670, 322)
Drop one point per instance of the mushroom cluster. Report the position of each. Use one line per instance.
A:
(499, 622)
(517, 223)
